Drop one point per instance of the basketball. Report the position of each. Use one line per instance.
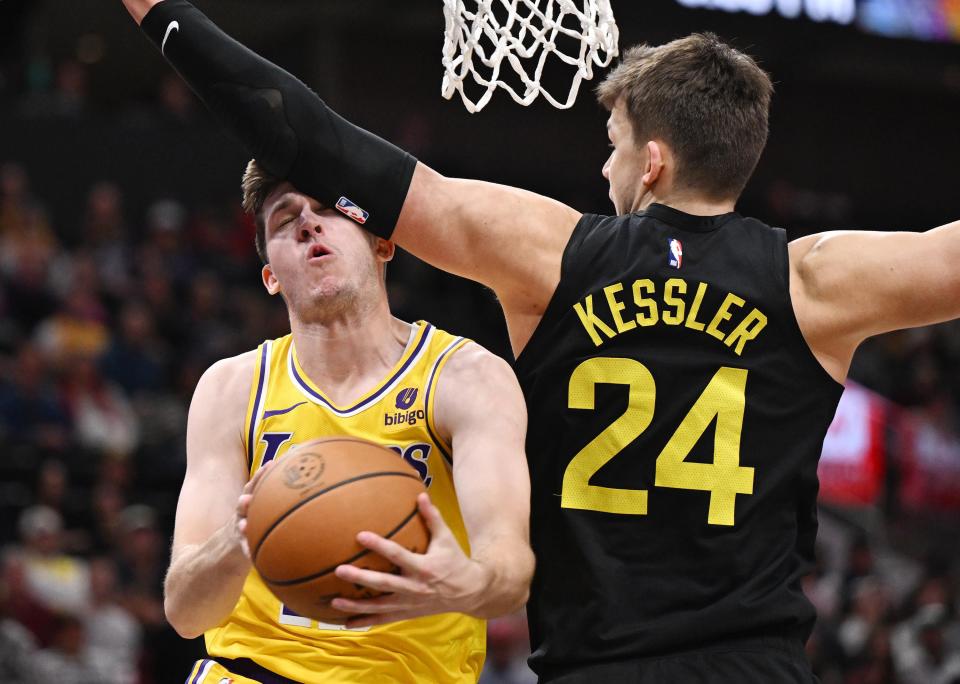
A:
(307, 510)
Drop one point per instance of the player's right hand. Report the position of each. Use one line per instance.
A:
(243, 505)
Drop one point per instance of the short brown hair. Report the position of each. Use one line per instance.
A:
(257, 186)
(708, 101)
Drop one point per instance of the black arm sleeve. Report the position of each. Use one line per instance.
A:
(285, 126)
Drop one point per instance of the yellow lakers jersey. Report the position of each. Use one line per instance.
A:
(285, 409)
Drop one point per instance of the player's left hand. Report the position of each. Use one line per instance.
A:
(442, 580)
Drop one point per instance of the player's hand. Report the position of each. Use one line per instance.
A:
(243, 505)
(442, 580)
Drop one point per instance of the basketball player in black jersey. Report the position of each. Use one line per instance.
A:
(681, 363)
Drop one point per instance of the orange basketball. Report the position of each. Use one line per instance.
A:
(308, 508)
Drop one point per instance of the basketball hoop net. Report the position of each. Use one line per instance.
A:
(523, 34)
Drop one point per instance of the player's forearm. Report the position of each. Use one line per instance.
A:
(288, 129)
(204, 583)
(508, 566)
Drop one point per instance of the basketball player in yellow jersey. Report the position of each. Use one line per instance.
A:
(448, 407)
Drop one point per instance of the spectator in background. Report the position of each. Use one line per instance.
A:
(165, 243)
(22, 218)
(135, 359)
(106, 505)
(57, 582)
(25, 271)
(875, 663)
(210, 335)
(17, 645)
(112, 633)
(869, 610)
(53, 491)
(64, 662)
(31, 413)
(104, 420)
(78, 328)
(105, 237)
(919, 649)
(67, 99)
(860, 564)
(141, 562)
(822, 587)
(159, 294)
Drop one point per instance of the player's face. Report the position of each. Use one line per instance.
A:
(625, 166)
(318, 258)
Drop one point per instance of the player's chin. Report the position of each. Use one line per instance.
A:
(329, 288)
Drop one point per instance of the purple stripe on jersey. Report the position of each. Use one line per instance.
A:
(379, 393)
(426, 398)
(251, 447)
(197, 677)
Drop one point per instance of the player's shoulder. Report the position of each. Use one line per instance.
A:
(230, 374)
(472, 366)
(462, 362)
(221, 396)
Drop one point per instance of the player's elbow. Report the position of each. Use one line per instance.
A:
(526, 563)
(512, 582)
(182, 623)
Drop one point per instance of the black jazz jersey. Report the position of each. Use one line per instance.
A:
(676, 420)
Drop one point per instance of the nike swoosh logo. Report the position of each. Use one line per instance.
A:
(174, 26)
(280, 412)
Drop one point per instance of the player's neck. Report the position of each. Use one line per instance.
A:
(688, 204)
(347, 355)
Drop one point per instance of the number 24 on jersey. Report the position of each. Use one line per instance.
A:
(723, 398)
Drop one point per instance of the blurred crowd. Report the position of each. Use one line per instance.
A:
(101, 343)
(104, 332)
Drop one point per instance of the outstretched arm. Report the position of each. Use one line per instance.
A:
(508, 239)
(847, 286)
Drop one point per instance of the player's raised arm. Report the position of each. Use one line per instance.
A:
(508, 239)
(849, 285)
(208, 565)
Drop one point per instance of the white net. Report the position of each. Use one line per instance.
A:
(484, 40)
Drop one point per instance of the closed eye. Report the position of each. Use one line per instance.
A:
(285, 222)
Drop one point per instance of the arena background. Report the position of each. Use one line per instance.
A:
(126, 268)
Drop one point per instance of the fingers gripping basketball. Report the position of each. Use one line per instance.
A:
(307, 510)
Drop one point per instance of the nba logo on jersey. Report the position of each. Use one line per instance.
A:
(676, 253)
(345, 206)
(226, 680)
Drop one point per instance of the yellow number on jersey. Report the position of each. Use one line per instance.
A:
(577, 491)
(723, 398)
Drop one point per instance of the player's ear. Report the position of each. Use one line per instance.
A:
(655, 163)
(270, 280)
(385, 249)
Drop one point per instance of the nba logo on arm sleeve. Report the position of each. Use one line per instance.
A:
(345, 206)
(676, 253)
